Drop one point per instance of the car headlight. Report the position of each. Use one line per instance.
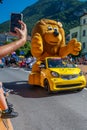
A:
(55, 74)
(81, 73)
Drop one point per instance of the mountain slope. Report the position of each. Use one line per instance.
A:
(66, 11)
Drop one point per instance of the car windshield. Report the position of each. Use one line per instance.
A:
(60, 63)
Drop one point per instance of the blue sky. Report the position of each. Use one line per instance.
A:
(10, 6)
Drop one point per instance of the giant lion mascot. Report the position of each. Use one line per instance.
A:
(48, 39)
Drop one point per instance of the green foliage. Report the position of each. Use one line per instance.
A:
(1, 1)
(4, 27)
(26, 48)
(66, 11)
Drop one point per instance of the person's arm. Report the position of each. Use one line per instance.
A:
(11, 47)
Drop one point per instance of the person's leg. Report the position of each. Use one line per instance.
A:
(6, 112)
(3, 104)
(6, 93)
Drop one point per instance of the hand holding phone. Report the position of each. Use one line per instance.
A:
(15, 17)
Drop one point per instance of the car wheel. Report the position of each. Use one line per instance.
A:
(47, 86)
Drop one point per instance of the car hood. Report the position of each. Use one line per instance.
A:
(64, 71)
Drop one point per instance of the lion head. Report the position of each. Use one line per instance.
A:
(51, 32)
(47, 36)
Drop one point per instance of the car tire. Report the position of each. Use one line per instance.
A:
(47, 86)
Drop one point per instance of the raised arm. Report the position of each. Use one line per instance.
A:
(22, 37)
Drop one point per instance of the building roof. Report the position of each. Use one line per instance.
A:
(85, 13)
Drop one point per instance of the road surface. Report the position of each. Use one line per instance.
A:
(40, 111)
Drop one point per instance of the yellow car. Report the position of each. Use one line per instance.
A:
(59, 74)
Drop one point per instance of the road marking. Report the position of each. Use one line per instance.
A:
(23, 69)
(85, 88)
(14, 68)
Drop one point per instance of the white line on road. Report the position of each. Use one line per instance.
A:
(17, 68)
(85, 88)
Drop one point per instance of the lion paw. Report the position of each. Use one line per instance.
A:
(74, 46)
(37, 45)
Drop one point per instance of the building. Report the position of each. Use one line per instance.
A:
(80, 33)
(5, 37)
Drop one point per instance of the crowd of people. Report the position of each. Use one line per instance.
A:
(20, 61)
(79, 60)
(17, 61)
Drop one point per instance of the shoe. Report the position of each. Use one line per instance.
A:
(9, 114)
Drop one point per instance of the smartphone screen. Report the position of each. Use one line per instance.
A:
(14, 21)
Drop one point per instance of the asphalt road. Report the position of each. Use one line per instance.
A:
(40, 111)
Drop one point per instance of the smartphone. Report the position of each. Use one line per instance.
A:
(15, 17)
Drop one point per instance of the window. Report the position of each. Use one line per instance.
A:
(83, 46)
(74, 35)
(84, 33)
(84, 21)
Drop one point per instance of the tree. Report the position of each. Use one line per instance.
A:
(1, 1)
